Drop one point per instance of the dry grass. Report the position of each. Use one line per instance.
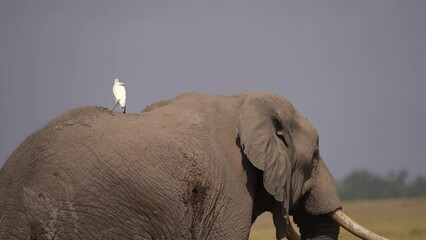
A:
(395, 219)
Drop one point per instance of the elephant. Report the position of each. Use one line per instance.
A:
(195, 166)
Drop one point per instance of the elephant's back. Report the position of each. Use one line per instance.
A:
(85, 137)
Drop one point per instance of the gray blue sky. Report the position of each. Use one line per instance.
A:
(355, 69)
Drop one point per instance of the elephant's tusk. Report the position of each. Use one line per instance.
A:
(292, 234)
(353, 227)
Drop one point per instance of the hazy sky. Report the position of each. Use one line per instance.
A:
(355, 69)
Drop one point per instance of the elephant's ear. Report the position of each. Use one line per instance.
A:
(264, 126)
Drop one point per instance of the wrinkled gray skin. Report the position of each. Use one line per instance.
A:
(193, 167)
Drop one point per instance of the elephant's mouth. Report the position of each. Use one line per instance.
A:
(346, 222)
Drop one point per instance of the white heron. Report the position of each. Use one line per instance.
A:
(120, 94)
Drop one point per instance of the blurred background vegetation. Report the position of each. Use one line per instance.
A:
(364, 185)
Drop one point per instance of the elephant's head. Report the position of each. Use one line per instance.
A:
(279, 141)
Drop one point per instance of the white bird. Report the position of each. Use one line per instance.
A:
(119, 94)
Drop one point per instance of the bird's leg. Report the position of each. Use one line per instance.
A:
(114, 106)
(124, 109)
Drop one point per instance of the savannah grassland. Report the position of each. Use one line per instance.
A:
(398, 219)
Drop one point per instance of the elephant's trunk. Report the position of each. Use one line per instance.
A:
(353, 227)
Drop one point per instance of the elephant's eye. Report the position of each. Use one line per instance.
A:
(281, 135)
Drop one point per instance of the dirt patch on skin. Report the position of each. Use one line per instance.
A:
(195, 197)
(197, 201)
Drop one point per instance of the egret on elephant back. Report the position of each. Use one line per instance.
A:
(119, 92)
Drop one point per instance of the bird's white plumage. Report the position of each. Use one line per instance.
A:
(119, 93)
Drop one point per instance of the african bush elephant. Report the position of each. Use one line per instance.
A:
(193, 167)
